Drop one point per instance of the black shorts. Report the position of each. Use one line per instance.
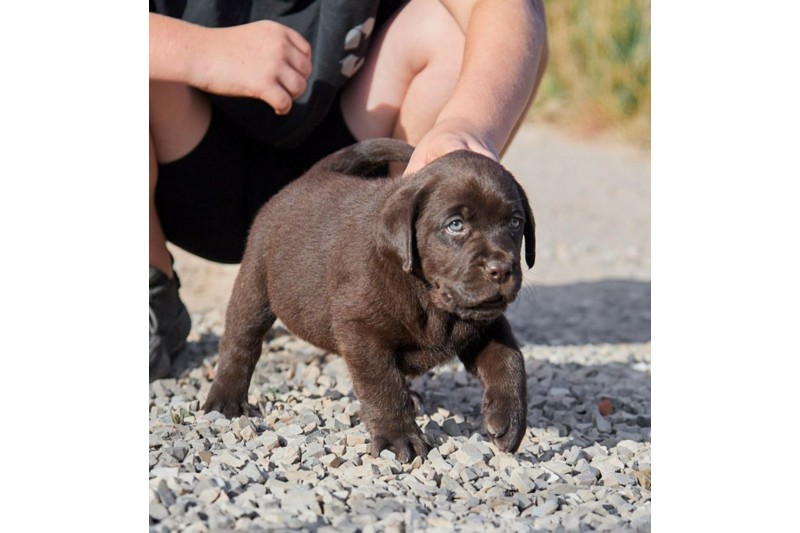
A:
(207, 200)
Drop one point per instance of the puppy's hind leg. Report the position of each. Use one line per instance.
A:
(247, 321)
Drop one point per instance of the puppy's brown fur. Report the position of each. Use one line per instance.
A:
(396, 275)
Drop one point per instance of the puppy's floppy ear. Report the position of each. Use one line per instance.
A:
(397, 224)
(530, 229)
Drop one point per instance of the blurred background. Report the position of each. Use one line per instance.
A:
(598, 76)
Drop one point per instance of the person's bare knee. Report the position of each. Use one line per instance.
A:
(408, 76)
(179, 118)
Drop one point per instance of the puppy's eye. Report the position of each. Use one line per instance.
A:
(456, 226)
(515, 223)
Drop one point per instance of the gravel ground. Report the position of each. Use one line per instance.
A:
(584, 322)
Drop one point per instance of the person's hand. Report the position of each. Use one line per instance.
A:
(446, 137)
(262, 59)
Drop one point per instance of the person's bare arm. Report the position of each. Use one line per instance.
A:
(262, 59)
(504, 50)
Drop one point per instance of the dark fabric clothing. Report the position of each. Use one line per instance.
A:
(207, 200)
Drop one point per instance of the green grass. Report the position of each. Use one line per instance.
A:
(598, 74)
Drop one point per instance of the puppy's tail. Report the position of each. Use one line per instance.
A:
(366, 156)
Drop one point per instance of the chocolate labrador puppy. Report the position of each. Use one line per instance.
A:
(397, 275)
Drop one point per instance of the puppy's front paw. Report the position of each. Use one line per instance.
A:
(229, 405)
(405, 447)
(505, 418)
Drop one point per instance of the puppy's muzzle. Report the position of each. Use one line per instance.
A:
(485, 301)
(498, 271)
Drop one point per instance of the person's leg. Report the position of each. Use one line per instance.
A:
(179, 118)
(159, 257)
(409, 74)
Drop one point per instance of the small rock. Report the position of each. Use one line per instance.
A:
(559, 467)
(573, 454)
(452, 428)
(290, 430)
(447, 447)
(229, 438)
(504, 462)
(164, 471)
(303, 476)
(643, 477)
(605, 406)
(436, 460)
(204, 456)
(210, 494)
(165, 494)
(521, 482)
(248, 433)
(253, 473)
(287, 455)
(158, 512)
(630, 445)
(331, 460)
(601, 423)
(432, 428)
(469, 475)
(268, 440)
(585, 479)
(178, 452)
(468, 454)
(212, 416)
(613, 479)
(244, 422)
(313, 449)
(549, 507)
(355, 439)
(231, 460)
(362, 471)
(388, 454)
(414, 464)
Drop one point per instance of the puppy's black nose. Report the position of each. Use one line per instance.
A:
(498, 270)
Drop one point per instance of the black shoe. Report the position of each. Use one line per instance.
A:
(169, 323)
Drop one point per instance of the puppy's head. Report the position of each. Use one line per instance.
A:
(459, 224)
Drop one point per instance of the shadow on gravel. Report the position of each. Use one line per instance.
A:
(562, 397)
(603, 312)
(195, 354)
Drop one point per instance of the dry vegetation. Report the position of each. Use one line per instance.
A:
(598, 76)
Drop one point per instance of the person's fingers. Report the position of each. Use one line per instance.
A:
(293, 82)
(426, 154)
(299, 42)
(298, 61)
(277, 97)
(416, 162)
